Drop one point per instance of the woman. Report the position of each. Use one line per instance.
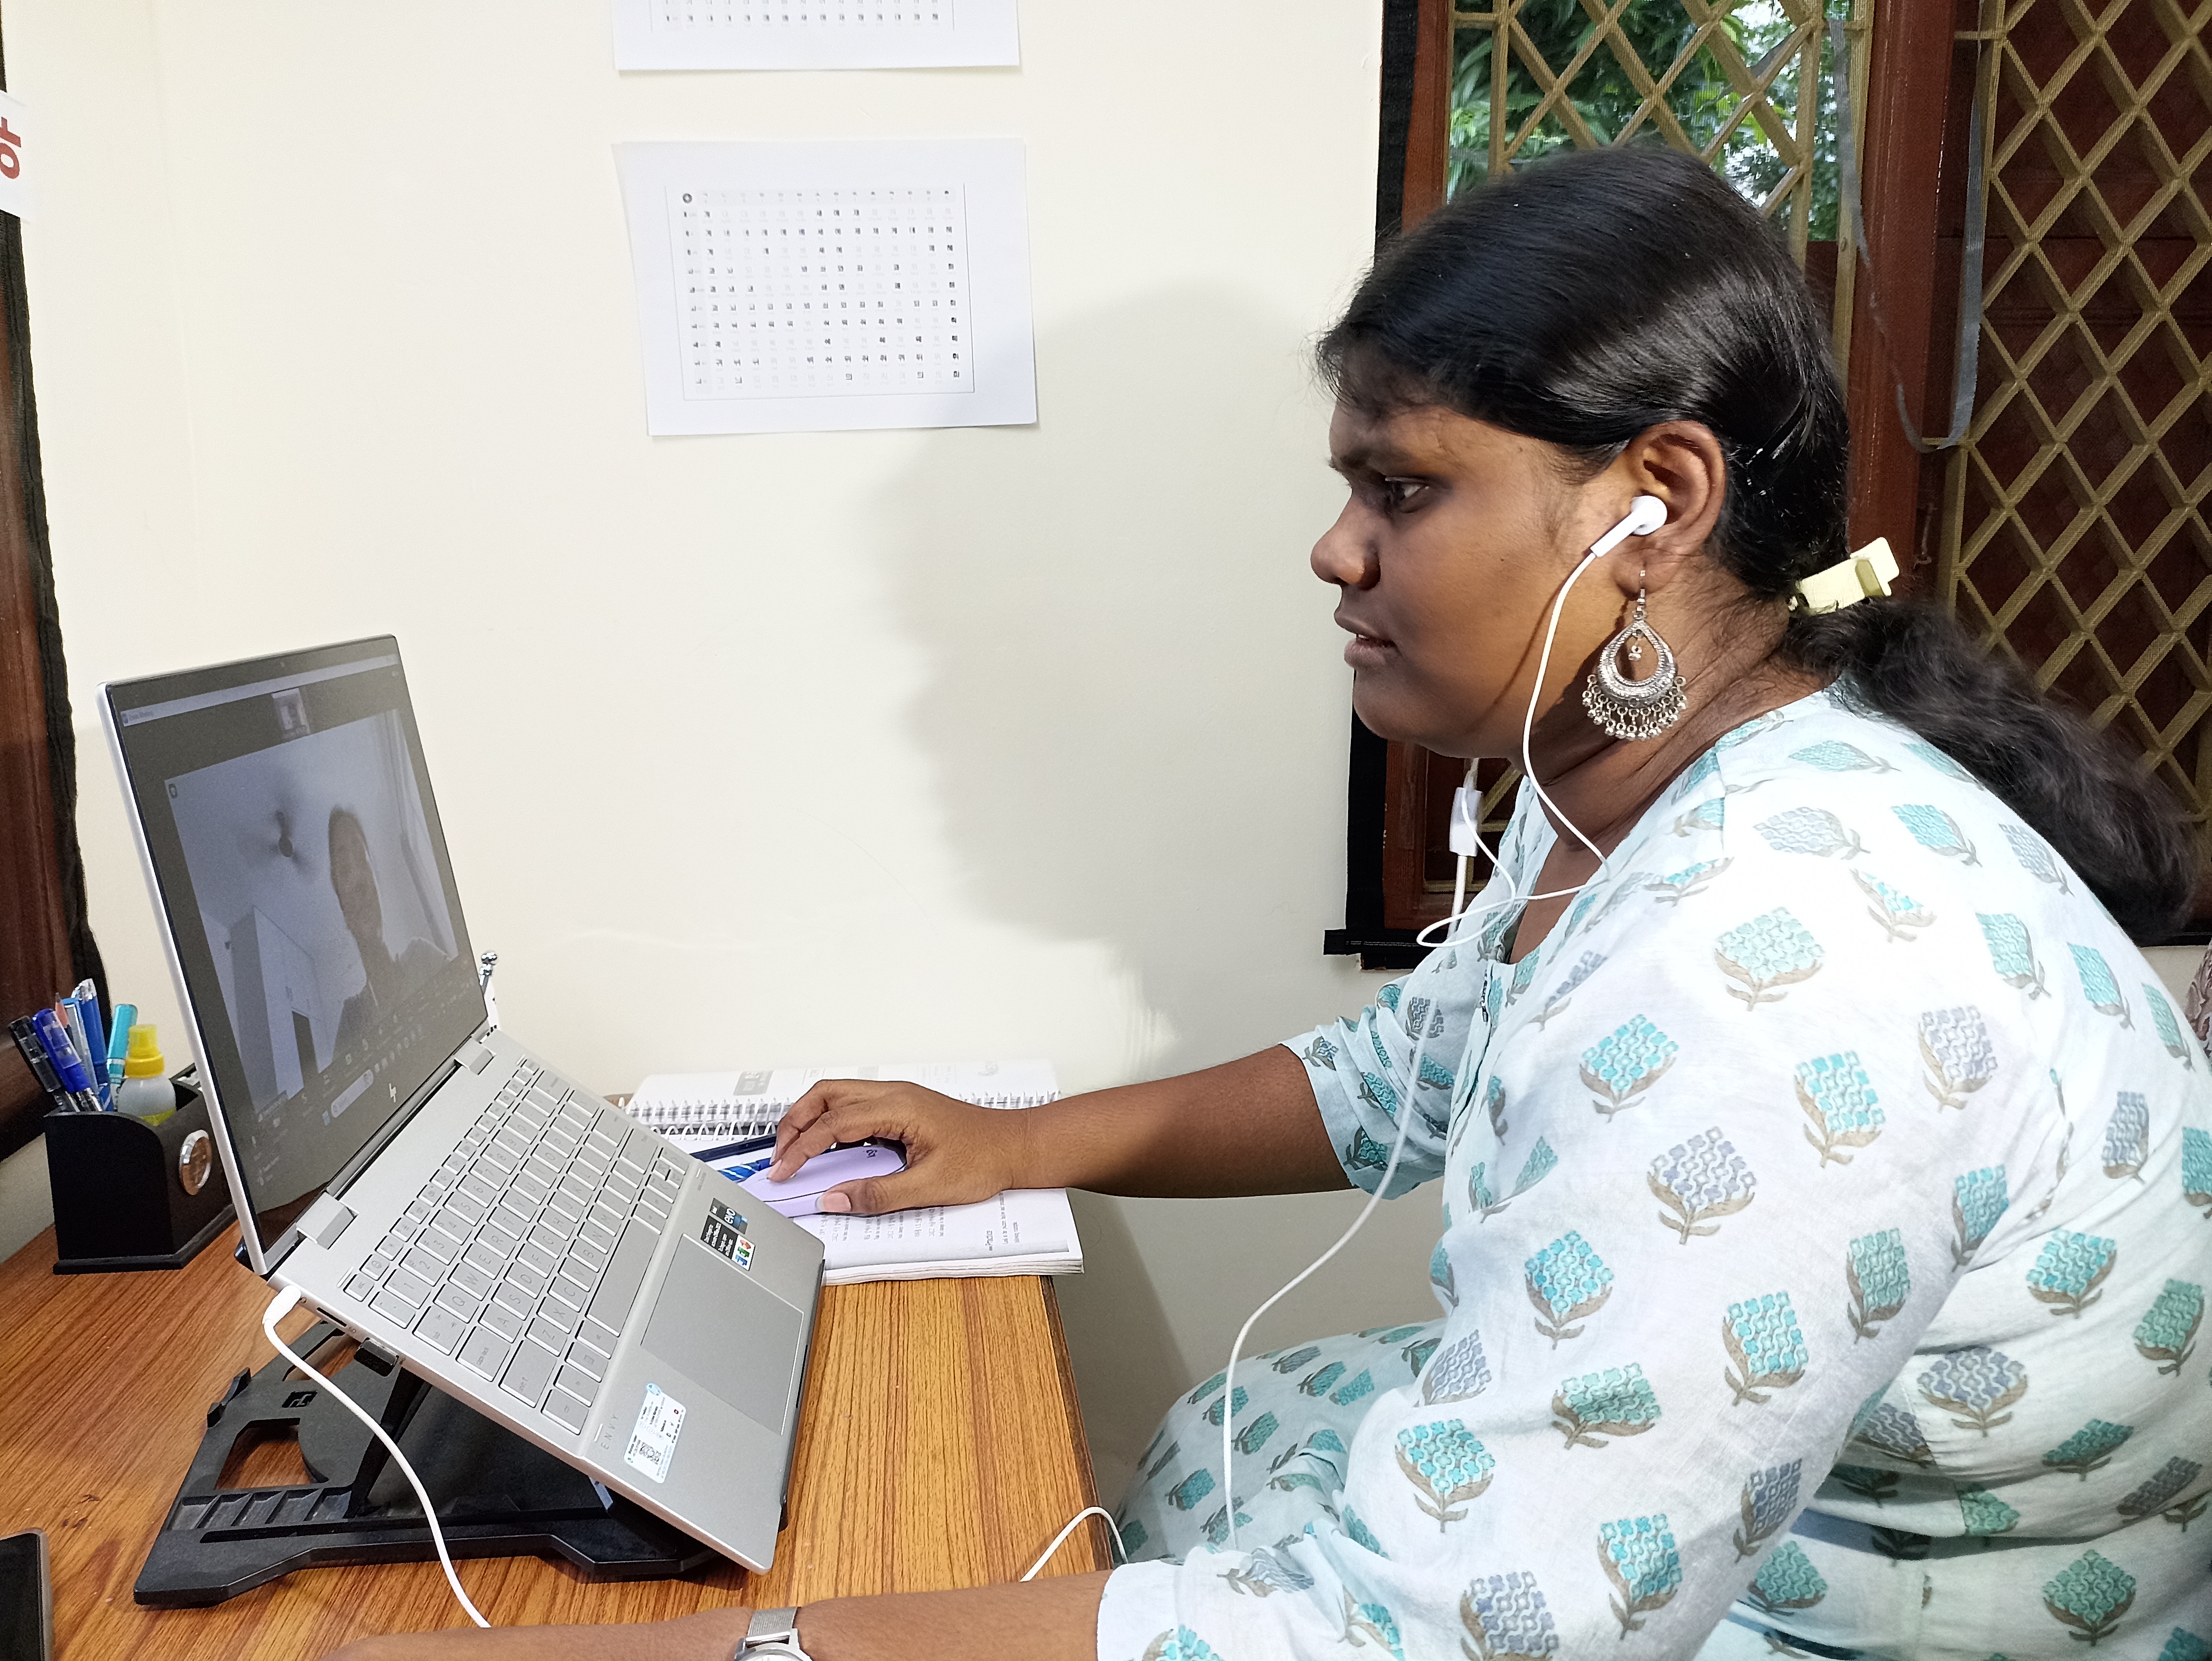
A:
(1822, 1168)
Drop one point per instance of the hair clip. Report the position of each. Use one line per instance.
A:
(1865, 575)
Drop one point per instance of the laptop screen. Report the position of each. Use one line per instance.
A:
(295, 848)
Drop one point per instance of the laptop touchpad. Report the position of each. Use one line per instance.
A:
(727, 1333)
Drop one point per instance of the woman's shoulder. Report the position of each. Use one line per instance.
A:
(1825, 871)
(1794, 773)
(1833, 912)
(1819, 800)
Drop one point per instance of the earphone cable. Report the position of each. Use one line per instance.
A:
(1529, 718)
(284, 1303)
(1120, 1550)
(1638, 522)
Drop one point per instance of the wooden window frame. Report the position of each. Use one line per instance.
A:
(1899, 334)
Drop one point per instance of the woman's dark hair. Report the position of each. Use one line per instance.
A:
(1593, 296)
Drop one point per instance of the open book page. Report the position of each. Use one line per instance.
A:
(1021, 1232)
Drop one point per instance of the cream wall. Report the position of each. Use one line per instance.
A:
(880, 745)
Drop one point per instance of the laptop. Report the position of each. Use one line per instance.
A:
(425, 1180)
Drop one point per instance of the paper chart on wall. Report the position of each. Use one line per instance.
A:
(814, 34)
(831, 286)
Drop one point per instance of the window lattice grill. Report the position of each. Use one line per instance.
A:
(1736, 84)
(2075, 531)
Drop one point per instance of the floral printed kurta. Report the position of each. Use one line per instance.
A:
(1827, 1223)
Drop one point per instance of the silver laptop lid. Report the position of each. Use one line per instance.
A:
(293, 846)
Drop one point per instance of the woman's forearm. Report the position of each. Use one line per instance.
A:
(1055, 1620)
(711, 1635)
(1247, 1127)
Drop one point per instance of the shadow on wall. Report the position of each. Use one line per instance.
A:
(1118, 710)
(1104, 688)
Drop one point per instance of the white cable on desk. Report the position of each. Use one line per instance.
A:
(1058, 1540)
(286, 1301)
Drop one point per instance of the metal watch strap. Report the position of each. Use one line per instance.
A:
(771, 1632)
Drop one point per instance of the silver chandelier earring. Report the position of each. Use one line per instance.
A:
(1625, 708)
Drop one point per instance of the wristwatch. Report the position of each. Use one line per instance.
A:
(772, 1634)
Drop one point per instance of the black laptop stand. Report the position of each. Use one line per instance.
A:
(496, 1494)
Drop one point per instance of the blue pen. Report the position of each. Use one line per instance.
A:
(119, 1044)
(61, 1014)
(72, 1020)
(41, 1065)
(730, 1158)
(732, 1150)
(75, 1080)
(87, 1000)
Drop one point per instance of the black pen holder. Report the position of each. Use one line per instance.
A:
(123, 1198)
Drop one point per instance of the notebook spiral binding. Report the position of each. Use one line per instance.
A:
(734, 1121)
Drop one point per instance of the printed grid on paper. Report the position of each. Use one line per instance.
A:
(753, 16)
(816, 292)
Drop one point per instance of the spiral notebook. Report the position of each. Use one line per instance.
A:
(699, 1109)
(1021, 1232)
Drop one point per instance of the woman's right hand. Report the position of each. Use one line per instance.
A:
(956, 1153)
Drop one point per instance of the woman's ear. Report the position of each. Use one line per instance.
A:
(1680, 462)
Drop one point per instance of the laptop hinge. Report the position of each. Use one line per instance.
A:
(398, 1123)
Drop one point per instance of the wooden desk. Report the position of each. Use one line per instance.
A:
(938, 1446)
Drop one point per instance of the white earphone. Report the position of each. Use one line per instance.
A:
(1646, 514)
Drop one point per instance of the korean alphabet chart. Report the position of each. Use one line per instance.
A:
(813, 34)
(813, 287)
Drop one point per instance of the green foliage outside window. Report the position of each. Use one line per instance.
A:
(1700, 97)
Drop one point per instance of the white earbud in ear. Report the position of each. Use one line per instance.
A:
(1645, 515)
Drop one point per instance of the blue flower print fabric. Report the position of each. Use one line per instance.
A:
(1825, 1238)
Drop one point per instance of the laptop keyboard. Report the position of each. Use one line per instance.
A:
(523, 1253)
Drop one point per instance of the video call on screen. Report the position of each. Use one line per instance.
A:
(320, 918)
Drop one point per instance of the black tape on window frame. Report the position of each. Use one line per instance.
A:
(1363, 934)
